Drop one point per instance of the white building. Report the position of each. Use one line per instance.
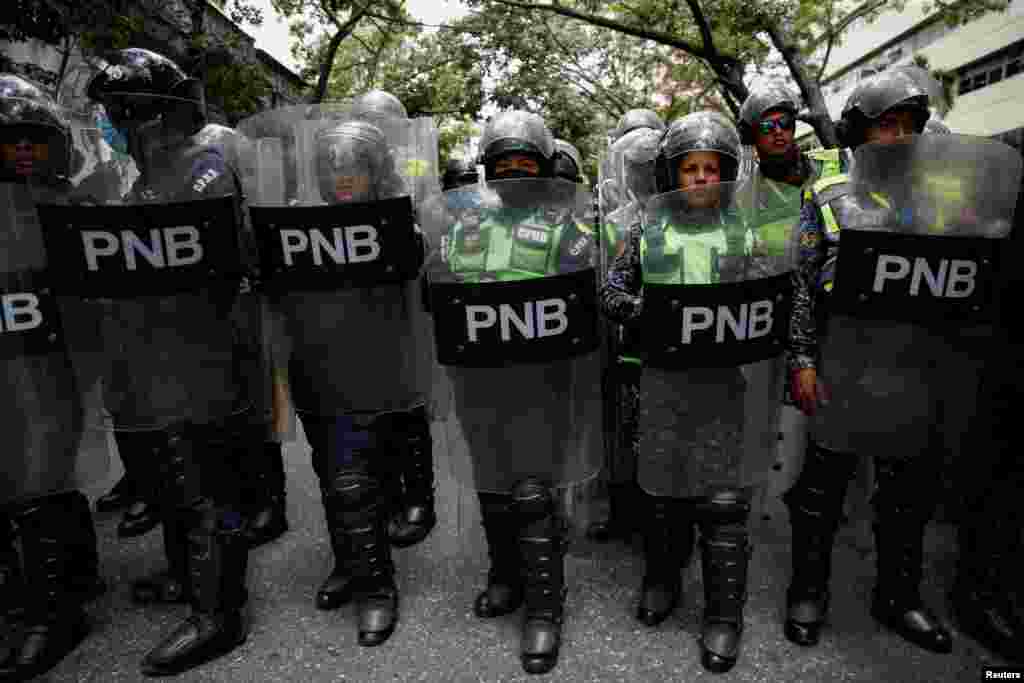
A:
(986, 56)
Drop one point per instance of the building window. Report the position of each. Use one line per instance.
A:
(992, 69)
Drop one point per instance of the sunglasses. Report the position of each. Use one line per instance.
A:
(784, 122)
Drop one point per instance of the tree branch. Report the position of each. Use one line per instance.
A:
(343, 32)
(596, 20)
(702, 26)
(420, 24)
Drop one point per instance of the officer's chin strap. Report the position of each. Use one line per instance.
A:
(782, 166)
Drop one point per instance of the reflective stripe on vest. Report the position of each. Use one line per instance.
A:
(831, 164)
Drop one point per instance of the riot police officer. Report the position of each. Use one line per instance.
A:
(689, 465)
(768, 123)
(989, 545)
(199, 436)
(880, 110)
(412, 483)
(359, 395)
(44, 463)
(636, 130)
(526, 407)
(781, 182)
(631, 169)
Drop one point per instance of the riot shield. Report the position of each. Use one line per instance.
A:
(772, 211)
(340, 260)
(921, 234)
(513, 296)
(711, 334)
(45, 449)
(150, 281)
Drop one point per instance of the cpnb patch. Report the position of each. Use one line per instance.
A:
(537, 235)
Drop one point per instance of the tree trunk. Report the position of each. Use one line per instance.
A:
(325, 66)
(199, 47)
(817, 113)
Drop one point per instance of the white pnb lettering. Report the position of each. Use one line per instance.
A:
(20, 312)
(544, 318)
(352, 244)
(953, 280)
(177, 246)
(754, 320)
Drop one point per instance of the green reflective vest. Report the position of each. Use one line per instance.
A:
(510, 244)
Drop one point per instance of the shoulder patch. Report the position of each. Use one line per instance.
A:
(206, 170)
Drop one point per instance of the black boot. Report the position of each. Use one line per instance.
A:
(86, 577)
(218, 562)
(268, 519)
(982, 595)
(414, 517)
(359, 513)
(542, 544)
(54, 621)
(171, 585)
(11, 578)
(669, 536)
(336, 590)
(504, 592)
(725, 554)
(815, 511)
(142, 454)
(904, 501)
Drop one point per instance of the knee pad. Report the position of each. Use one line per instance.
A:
(354, 490)
(532, 499)
(724, 506)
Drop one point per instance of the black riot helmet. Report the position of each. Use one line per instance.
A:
(638, 118)
(35, 135)
(138, 86)
(703, 131)
(759, 102)
(874, 97)
(459, 172)
(354, 164)
(568, 164)
(639, 149)
(517, 132)
(379, 103)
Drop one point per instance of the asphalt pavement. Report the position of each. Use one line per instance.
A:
(439, 638)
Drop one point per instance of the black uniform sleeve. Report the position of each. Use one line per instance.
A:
(620, 295)
(811, 255)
